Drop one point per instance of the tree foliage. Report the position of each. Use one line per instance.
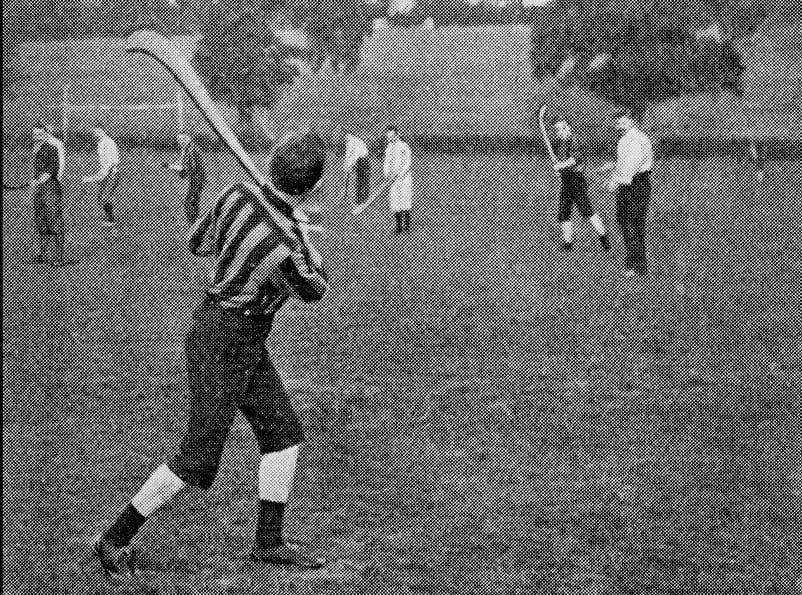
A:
(241, 61)
(654, 49)
(335, 29)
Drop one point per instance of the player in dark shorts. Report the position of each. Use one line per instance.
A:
(573, 186)
(191, 168)
(47, 197)
(260, 261)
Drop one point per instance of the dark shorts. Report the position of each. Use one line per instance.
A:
(574, 193)
(229, 368)
(48, 213)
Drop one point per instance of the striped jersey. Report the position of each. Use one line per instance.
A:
(254, 269)
(565, 149)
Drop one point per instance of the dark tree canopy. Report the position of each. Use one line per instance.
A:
(637, 53)
(241, 61)
(335, 28)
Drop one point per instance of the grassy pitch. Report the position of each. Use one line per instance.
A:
(484, 414)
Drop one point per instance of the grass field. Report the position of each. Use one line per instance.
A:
(484, 414)
(447, 82)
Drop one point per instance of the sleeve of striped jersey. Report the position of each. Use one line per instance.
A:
(306, 282)
(202, 235)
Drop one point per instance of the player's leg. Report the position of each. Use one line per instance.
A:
(625, 219)
(407, 218)
(215, 381)
(581, 199)
(564, 209)
(641, 195)
(191, 202)
(278, 433)
(363, 179)
(40, 224)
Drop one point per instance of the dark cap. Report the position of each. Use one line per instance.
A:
(297, 163)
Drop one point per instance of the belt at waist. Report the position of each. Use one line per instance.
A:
(257, 313)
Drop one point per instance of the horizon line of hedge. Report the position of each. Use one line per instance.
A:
(771, 148)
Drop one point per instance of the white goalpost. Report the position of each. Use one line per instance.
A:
(107, 103)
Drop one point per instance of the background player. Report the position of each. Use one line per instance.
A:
(256, 270)
(357, 167)
(108, 174)
(190, 166)
(47, 198)
(397, 167)
(573, 186)
(632, 183)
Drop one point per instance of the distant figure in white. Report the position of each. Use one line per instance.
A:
(398, 172)
(108, 174)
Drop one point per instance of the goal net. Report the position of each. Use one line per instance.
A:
(145, 114)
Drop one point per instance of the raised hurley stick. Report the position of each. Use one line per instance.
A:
(541, 119)
(159, 48)
(377, 193)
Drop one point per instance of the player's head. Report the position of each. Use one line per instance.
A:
(39, 132)
(624, 120)
(98, 131)
(50, 130)
(182, 138)
(296, 165)
(562, 126)
(392, 133)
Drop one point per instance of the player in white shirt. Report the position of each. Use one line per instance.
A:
(632, 184)
(356, 167)
(397, 167)
(108, 175)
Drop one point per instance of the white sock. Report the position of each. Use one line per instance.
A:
(568, 232)
(159, 489)
(597, 224)
(276, 470)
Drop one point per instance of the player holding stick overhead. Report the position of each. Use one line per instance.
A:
(632, 184)
(191, 168)
(47, 198)
(108, 175)
(569, 164)
(257, 268)
(397, 171)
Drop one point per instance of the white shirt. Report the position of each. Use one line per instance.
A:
(108, 154)
(61, 155)
(354, 149)
(397, 159)
(634, 156)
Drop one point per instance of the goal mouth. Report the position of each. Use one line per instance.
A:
(86, 103)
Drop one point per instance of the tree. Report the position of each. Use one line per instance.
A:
(241, 60)
(336, 30)
(637, 53)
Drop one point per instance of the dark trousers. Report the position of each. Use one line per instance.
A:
(362, 175)
(108, 186)
(632, 203)
(402, 219)
(192, 200)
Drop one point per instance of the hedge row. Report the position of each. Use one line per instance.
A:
(779, 149)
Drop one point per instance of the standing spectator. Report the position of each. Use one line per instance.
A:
(397, 171)
(632, 183)
(108, 174)
(357, 167)
(191, 168)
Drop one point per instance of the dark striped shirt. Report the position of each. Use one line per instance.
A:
(565, 150)
(254, 269)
